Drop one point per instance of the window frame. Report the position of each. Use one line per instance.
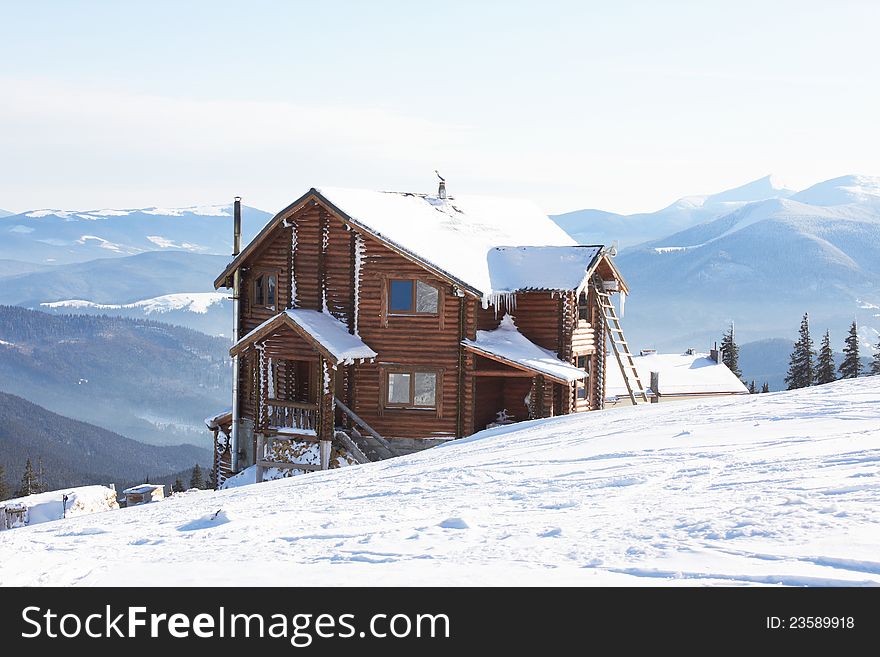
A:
(583, 309)
(410, 404)
(265, 274)
(583, 384)
(414, 305)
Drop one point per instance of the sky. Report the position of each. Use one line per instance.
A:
(622, 106)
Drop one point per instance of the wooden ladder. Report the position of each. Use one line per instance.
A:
(620, 345)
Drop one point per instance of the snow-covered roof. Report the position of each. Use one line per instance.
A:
(452, 235)
(511, 347)
(218, 420)
(513, 268)
(324, 329)
(680, 374)
(140, 489)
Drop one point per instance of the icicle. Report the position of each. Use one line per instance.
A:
(358, 264)
(622, 303)
(292, 268)
(271, 376)
(325, 240)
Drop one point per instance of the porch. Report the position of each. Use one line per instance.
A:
(295, 363)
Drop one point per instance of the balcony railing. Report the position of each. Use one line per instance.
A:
(292, 415)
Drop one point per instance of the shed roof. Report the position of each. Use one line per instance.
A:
(680, 374)
(513, 268)
(507, 345)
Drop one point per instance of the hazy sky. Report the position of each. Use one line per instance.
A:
(623, 106)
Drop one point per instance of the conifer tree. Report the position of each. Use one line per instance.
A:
(800, 366)
(5, 492)
(752, 388)
(730, 352)
(178, 486)
(765, 387)
(212, 484)
(28, 481)
(197, 480)
(875, 363)
(825, 371)
(851, 366)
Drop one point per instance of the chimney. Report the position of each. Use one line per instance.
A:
(441, 191)
(715, 354)
(236, 226)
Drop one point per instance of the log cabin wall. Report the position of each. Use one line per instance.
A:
(431, 342)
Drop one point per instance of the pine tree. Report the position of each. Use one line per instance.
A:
(851, 366)
(730, 352)
(800, 366)
(212, 484)
(875, 363)
(825, 371)
(4, 487)
(765, 387)
(28, 481)
(753, 390)
(178, 486)
(197, 480)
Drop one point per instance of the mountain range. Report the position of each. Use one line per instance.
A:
(67, 236)
(759, 255)
(146, 380)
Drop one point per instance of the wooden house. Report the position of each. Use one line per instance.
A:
(393, 321)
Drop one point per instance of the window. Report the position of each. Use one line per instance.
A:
(265, 289)
(583, 308)
(583, 362)
(412, 297)
(411, 389)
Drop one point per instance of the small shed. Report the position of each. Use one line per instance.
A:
(143, 494)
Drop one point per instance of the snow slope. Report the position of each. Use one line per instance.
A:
(781, 488)
(196, 302)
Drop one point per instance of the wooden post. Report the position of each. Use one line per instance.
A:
(655, 387)
(260, 457)
(324, 447)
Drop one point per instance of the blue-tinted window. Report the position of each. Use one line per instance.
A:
(401, 296)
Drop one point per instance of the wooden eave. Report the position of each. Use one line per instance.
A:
(315, 196)
(270, 327)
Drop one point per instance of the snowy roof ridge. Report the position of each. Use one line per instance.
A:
(451, 236)
(507, 345)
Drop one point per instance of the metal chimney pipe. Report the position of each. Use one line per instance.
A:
(236, 330)
(236, 226)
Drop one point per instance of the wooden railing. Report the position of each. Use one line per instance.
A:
(292, 415)
(359, 422)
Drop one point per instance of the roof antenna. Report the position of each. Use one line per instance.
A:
(441, 192)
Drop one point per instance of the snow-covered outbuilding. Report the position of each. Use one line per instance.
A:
(672, 377)
(394, 321)
(143, 494)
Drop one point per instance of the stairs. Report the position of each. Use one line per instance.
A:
(619, 344)
(369, 445)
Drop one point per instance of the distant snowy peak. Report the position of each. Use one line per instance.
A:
(842, 191)
(768, 187)
(196, 302)
(5, 213)
(71, 215)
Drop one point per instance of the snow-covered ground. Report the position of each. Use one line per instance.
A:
(780, 488)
